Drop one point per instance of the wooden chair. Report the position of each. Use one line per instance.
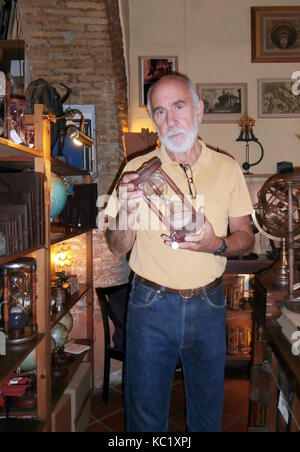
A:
(113, 304)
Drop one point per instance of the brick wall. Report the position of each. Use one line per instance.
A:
(79, 43)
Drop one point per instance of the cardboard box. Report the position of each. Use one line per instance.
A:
(79, 390)
(61, 416)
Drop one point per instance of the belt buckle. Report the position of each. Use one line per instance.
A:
(183, 293)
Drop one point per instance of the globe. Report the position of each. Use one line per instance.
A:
(59, 334)
(17, 318)
(271, 211)
(58, 195)
(67, 320)
(29, 363)
(277, 216)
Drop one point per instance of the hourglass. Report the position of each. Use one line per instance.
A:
(18, 308)
(179, 216)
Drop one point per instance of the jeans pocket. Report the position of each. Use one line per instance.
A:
(215, 298)
(142, 296)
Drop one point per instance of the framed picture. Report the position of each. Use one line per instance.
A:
(275, 34)
(276, 99)
(223, 102)
(152, 68)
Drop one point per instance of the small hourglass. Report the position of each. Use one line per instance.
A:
(19, 300)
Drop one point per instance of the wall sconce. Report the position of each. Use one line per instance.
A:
(73, 132)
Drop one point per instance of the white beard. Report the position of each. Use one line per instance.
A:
(180, 144)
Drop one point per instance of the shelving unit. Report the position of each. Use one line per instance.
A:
(48, 392)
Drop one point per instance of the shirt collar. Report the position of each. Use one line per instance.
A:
(204, 158)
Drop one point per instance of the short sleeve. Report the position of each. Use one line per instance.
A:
(240, 200)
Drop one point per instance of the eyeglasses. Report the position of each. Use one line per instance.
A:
(189, 176)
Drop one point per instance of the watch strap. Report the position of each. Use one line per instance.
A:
(220, 251)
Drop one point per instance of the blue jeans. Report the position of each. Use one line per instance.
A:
(160, 327)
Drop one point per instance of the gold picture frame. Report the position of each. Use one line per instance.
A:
(275, 34)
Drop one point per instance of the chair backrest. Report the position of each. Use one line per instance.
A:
(113, 303)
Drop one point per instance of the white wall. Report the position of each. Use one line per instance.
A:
(212, 39)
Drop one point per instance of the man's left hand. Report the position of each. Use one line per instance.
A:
(205, 241)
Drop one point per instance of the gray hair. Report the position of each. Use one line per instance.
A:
(181, 78)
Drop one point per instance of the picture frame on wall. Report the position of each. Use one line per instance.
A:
(275, 99)
(275, 34)
(151, 69)
(223, 102)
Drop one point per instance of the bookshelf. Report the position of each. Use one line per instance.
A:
(49, 392)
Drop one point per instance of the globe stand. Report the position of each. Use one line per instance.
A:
(278, 274)
(58, 364)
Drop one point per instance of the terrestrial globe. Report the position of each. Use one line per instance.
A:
(67, 321)
(59, 334)
(29, 363)
(58, 195)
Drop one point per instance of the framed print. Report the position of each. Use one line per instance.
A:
(275, 34)
(276, 99)
(223, 102)
(152, 68)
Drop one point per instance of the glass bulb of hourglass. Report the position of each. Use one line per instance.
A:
(156, 182)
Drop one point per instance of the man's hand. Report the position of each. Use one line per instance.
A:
(204, 240)
(129, 197)
(239, 242)
(121, 240)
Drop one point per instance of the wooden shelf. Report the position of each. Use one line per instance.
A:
(14, 425)
(19, 157)
(15, 355)
(12, 257)
(64, 169)
(58, 237)
(248, 266)
(238, 357)
(16, 156)
(71, 301)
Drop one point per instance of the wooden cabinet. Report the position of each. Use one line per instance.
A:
(275, 373)
(49, 392)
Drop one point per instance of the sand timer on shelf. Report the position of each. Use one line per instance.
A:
(18, 308)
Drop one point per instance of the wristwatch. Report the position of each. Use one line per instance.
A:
(221, 251)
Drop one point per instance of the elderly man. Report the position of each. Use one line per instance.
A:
(177, 306)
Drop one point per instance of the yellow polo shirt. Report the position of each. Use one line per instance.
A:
(221, 188)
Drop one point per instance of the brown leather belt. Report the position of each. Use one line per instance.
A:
(184, 293)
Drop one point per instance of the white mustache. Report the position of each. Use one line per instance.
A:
(174, 131)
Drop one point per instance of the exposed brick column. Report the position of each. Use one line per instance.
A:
(79, 43)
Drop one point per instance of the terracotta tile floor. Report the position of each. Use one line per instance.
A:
(110, 417)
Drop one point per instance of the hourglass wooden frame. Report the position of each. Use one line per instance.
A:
(29, 332)
(146, 172)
